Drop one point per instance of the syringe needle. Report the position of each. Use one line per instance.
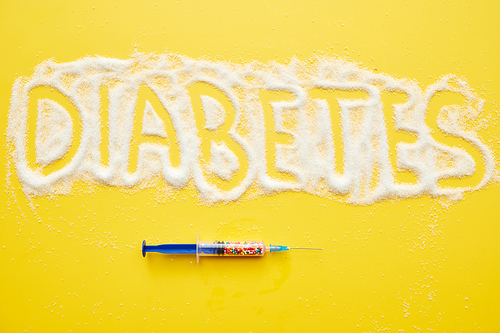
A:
(305, 248)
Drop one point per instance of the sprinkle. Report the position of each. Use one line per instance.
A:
(235, 248)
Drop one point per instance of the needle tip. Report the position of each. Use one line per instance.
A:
(306, 248)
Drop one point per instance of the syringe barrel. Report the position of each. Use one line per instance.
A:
(230, 248)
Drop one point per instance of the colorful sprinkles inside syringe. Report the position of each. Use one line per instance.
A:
(219, 248)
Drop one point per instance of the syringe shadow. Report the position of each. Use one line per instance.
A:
(160, 265)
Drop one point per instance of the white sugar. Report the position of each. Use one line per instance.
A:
(309, 156)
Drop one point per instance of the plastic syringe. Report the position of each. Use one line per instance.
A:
(219, 248)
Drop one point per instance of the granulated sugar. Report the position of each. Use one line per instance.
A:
(309, 158)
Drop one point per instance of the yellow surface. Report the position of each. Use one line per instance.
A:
(73, 263)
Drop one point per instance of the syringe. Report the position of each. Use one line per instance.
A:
(219, 248)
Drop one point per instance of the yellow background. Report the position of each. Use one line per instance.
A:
(73, 263)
